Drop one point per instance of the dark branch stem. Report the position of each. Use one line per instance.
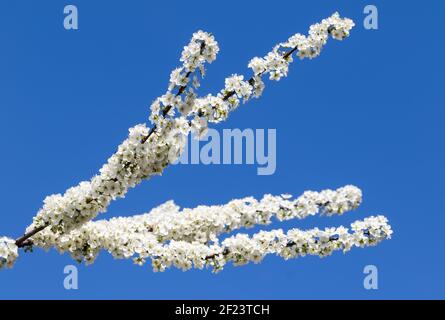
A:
(21, 242)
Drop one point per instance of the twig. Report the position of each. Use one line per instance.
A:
(21, 242)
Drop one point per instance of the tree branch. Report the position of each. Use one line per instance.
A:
(22, 241)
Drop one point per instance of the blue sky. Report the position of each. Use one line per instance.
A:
(368, 112)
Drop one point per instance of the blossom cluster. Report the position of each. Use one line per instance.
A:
(131, 163)
(189, 238)
(275, 63)
(8, 252)
(134, 239)
(205, 223)
(202, 49)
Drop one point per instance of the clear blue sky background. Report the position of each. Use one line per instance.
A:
(370, 112)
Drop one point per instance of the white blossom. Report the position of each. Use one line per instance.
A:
(178, 78)
(202, 48)
(237, 84)
(258, 65)
(8, 252)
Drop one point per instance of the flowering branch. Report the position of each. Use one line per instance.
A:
(205, 223)
(64, 220)
(190, 237)
(177, 78)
